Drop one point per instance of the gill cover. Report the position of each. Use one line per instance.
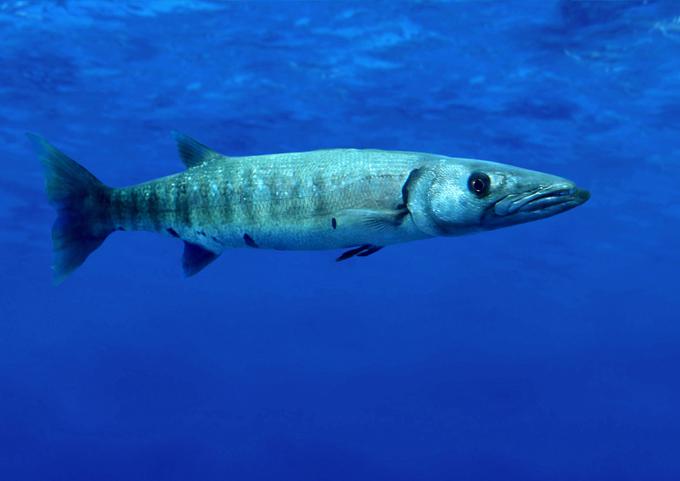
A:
(417, 197)
(440, 201)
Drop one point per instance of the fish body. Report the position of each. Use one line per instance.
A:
(361, 200)
(296, 201)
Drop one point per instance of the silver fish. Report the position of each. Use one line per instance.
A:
(360, 200)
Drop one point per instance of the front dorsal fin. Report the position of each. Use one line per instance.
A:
(193, 152)
(195, 258)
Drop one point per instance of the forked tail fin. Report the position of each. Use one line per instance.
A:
(83, 208)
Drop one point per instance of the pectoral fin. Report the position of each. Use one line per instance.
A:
(361, 251)
(373, 219)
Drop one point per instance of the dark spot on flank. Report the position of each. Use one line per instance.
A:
(120, 228)
(172, 232)
(249, 241)
(200, 232)
(334, 223)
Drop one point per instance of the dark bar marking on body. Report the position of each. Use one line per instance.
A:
(133, 208)
(334, 223)
(296, 190)
(273, 201)
(247, 188)
(226, 206)
(172, 232)
(117, 207)
(103, 200)
(153, 209)
(140, 200)
(249, 241)
(206, 207)
(296, 193)
(320, 204)
(183, 208)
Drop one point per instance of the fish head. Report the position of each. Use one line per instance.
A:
(459, 196)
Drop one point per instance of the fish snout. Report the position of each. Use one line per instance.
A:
(537, 203)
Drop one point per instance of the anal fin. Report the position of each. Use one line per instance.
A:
(196, 258)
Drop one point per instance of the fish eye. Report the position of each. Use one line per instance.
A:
(479, 184)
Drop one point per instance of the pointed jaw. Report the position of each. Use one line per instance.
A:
(534, 204)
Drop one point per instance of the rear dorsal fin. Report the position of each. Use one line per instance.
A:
(193, 152)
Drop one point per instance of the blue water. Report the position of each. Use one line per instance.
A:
(546, 351)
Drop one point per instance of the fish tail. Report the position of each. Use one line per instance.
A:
(83, 208)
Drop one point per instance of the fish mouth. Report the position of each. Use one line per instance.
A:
(542, 202)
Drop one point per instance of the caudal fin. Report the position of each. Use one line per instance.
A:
(82, 203)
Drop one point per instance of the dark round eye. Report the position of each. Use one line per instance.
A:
(479, 184)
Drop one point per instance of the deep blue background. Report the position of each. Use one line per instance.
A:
(546, 351)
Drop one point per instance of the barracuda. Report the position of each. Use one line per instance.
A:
(359, 200)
